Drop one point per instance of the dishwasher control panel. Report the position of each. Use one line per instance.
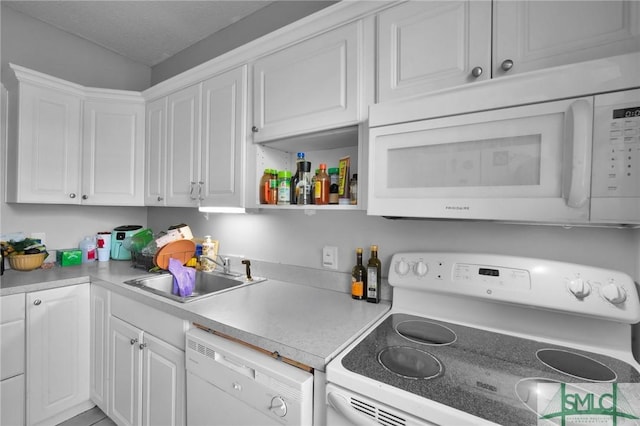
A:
(244, 384)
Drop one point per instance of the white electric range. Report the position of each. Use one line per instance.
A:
(492, 339)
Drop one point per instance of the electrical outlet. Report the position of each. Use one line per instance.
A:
(330, 257)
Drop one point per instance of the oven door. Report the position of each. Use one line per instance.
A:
(529, 163)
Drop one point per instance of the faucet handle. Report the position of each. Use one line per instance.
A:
(247, 263)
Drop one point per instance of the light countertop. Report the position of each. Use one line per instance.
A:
(304, 323)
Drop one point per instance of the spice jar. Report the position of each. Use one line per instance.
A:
(333, 185)
(284, 187)
(353, 189)
(265, 188)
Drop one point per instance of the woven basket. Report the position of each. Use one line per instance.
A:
(26, 262)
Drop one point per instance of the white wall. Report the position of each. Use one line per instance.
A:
(290, 237)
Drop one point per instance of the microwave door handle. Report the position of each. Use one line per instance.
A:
(578, 124)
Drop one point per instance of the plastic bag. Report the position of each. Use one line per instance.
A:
(184, 278)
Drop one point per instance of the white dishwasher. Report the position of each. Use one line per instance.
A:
(231, 384)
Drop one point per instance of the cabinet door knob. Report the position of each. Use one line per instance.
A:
(160, 198)
(37, 302)
(85, 197)
(476, 72)
(255, 129)
(506, 65)
(142, 346)
(134, 341)
(72, 195)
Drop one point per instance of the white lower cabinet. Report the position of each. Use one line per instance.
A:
(12, 404)
(57, 369)
(99, 349)
(147, 374)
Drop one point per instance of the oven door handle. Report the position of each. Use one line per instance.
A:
(341, 405)
(578, 135)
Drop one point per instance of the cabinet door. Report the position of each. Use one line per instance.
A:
(164, 382)
(99, 349)
(539, 34)
(113, 153)
(155, 154)
(183, 147)
(430, 45)
(12, 401)
(57, 350)
(48, 148)
(223, 135)
(125, 357)
(310, 86)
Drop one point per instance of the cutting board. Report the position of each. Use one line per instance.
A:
(182, 250)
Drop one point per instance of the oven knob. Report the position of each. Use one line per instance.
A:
(579, 288)
(614, 293)
(402, 267)
(421, 269)
(278, 406)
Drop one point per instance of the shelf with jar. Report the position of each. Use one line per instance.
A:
(339, 153)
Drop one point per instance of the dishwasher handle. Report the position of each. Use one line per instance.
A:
(235, 365)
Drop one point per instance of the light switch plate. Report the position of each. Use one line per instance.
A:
(330, 257)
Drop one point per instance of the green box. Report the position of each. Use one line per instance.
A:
(69, 257)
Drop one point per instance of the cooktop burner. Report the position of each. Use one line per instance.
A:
(426, 332)
(409, 362)
(479, 372)
(576, 365)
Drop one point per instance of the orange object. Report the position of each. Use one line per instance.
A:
(322, 186)
(183, 250)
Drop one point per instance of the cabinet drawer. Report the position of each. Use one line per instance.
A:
(11, 308)
(167, 327)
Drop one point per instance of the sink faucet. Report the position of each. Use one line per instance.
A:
(226, 263)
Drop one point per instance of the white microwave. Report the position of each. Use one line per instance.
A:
(569, 161)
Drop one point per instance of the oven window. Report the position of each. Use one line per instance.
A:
(507, 161)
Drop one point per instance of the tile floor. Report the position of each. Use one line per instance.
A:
(92, 417)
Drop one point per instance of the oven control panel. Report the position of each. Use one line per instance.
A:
(567, 287)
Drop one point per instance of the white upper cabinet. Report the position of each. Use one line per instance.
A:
(155, 153)
(183, 145)
(74, 145)
(43, 160)
(224, 112)
(308, 86)
(530, 35)
(113, 152)
(424, 46)
(195, 143)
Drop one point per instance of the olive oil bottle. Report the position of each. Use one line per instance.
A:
(374, 276)
(358, 277)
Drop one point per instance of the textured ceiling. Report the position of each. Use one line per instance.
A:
(146, 31)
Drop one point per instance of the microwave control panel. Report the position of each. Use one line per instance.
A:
(616, 156)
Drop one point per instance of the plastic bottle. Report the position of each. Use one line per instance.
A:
(88, 248)
(208, 250)
(333, 186)
(265, 189)
(373, 276)
(322, 186)
(273, 187)
(284, 187)
(294, 180)
(358, 277)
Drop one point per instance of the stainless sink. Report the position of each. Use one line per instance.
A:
(207, 284)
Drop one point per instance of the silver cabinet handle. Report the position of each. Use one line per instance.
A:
(476, 72)
(200, 184)
(72, 195)
(142, 346)
(255, 129)
(506, 65)
(160, 198)
(37, 302)
(134, 341)
(85, 197)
